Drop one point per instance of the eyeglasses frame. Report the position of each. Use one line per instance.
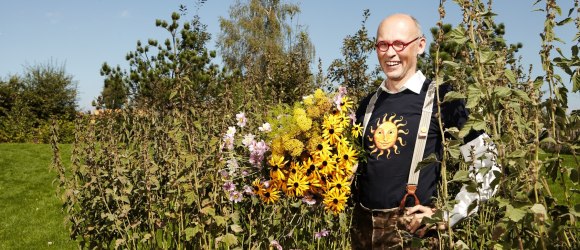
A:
(393, 44)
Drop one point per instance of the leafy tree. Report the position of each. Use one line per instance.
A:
(259, 42)
(174, 73)
(352, 71)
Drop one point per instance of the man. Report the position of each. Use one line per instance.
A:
(389, 207)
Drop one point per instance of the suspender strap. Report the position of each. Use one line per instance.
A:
(420, 145)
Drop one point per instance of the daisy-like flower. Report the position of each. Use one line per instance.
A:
(357, 130)
(241, 118)
(265, 127)
(346, 104)
(270, 195)
(325, 165)
(298, 184)
(331, 129)
(323, 149)
(229, 186)
(232, 163)
(347, 156)
(258, 187)
(277, 164)
(236, 196)
(335, 201)
(340, 183)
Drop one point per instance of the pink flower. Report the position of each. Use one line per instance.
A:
(274, 243)
(322, 233)
(236, 196)
(241, 118)
(352, 117)
(229, 186)
(224, 173)
(248, 190)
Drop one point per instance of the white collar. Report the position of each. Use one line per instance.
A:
(415, 83)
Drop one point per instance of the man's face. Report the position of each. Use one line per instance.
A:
(399, 66)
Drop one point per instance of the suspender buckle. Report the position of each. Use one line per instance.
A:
(411, 188)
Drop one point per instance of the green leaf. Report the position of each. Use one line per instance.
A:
(461, 176)
(452, 64)
(208, 210)
(457, 35)
(514, 214)
(230, 239)
(501, 91)
(220, 220)
(432, 158)
(173, 93)
(522, 95)
(473, 96)
(452, 96)
(511, 76)
(236, 228)
(190, 232)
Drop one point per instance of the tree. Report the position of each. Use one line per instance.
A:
(353, 71)
(259, 42)
(175, 73)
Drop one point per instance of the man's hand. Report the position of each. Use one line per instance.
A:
(415, 217)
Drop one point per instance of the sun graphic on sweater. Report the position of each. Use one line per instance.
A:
(386, 135)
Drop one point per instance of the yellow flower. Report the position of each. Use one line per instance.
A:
(294, 147)
(308, 100)
(258, 187)
(299, 112)
(346, 104)
(331, 130)
(339, 182)
(277, 164)
(303, 122)
(319, 94)
(270, 195)
(357, 130)
(313, 111)
(335, 201)
(298, 183)
(325, 165)
(347, 156)
(323, 149)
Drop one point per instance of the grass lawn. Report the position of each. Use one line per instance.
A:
(30, 211)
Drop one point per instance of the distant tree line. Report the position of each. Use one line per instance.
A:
(30, 102)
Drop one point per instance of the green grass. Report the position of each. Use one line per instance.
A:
(30, 211)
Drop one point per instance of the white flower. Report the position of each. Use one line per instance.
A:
(248, 140)
(236, 196)
(241, 118)
(231, 131)
(265, 127)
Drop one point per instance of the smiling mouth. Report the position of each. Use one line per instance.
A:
(391, 64)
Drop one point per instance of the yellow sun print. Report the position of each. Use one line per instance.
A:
(386, 135)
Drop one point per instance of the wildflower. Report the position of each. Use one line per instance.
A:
(247, 190)
(232, 163)
(357, 130)
(248, 140)
(236, 196)
(224, 173)
(298, 184)
(229, 186)
(270, 195)
(275, 244)
(231, 131)
(331, 129)
(339, 183)
(322, 233)
(258, 187)
(303, 122)
(335, 201)
(277, 163)
(241, 118)
(265, 127)
(308, 100)
(345, 104)
(294, 147)
(352, 117)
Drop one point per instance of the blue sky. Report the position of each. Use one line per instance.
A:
(83, 35)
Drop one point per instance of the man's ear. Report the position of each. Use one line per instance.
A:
(422, 45)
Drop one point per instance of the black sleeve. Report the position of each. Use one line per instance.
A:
(455, 113)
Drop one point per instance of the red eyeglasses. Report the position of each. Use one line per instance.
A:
(398, 46)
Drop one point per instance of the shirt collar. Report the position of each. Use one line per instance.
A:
(415, 83)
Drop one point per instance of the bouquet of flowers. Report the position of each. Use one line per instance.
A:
(305, 151)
